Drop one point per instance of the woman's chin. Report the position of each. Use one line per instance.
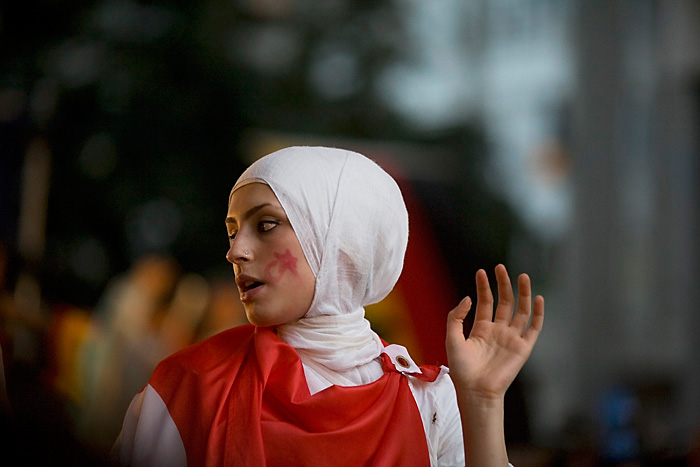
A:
(260, 320)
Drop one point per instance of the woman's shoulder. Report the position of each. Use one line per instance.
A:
(438, 396)
(440, 388)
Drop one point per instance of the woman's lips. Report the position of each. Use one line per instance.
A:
(249, 294)
(248, 287)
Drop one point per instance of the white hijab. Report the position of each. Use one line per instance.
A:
(352, 224)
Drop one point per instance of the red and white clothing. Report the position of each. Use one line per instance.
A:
(322, 390)
(241, 398)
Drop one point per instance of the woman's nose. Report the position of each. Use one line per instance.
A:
(238, 252)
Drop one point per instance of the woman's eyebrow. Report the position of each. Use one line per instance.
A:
(248, 213)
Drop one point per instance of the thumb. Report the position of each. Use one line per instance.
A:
(455, 320)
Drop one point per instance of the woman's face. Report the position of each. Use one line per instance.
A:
(275, 281)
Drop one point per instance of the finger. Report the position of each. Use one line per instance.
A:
(504, 310)
(455, 321)
(522, 314)
(484, 298)
(536, 322)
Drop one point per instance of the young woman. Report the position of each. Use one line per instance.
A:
(315, 235)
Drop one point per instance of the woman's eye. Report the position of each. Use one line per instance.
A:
(265, 226)
(232, 235)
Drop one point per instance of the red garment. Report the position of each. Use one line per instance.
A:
(241, 398)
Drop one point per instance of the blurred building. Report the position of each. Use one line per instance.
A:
(591, 111)
(631, 258)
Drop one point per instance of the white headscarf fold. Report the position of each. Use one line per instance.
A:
(352, 224)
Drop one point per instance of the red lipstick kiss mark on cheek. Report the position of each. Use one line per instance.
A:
(283, 262)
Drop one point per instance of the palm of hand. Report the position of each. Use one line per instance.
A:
(487, 362)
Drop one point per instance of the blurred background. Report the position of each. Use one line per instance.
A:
(559, 137)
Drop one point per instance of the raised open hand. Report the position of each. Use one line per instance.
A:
(487, 362)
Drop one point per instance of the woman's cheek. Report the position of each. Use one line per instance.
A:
(278, 267)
